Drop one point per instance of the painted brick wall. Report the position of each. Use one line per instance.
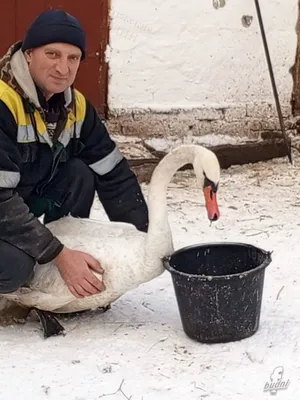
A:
(187, 68)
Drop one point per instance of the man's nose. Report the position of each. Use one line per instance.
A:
(62, 66)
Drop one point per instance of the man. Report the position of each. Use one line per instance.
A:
(55, 154)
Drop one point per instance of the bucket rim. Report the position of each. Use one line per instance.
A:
(263, 265)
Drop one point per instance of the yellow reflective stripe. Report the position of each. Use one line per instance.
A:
(9, 179)
(107, 163)
(80, 110)
(13, 101)
(68, 132)
(80, 106)
(26, 132)
(40, 124)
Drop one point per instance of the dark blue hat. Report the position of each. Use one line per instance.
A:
(55, 26)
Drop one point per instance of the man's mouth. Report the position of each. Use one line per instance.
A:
(56, 78)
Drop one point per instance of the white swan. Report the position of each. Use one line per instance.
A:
(129, 257)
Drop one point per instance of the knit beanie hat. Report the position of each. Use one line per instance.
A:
(55, 26)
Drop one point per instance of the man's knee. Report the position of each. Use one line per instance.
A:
(80, 175)
(16, 268)
(72, 189)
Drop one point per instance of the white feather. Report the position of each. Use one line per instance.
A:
(129, 257)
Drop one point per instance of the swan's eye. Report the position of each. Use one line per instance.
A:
(211, 184)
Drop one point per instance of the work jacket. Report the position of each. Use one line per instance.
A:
(32, 146)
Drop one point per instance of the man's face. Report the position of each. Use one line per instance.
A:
(54, 66)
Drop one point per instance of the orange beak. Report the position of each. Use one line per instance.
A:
(211, 204)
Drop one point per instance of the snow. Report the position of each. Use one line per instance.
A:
(138, 350)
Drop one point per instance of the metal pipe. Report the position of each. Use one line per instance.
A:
(285, 137)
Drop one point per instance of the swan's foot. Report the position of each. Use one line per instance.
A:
(51, 326)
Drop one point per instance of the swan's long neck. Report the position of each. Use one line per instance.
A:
(159, 241)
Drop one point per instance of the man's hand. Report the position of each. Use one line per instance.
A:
(74, 267)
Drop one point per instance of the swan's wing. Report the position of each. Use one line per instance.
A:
(41, 300)
(90, 228)
(117, 246)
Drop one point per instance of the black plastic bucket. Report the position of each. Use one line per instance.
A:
(219, 289)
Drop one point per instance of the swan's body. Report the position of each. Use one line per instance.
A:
(120, 251)
(129, 257)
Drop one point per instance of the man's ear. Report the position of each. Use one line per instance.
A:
(27, 54)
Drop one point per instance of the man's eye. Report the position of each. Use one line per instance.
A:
(52, 54)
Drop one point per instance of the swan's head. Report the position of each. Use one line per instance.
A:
(207, 170)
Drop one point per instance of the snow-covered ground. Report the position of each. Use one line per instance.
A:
(138, 350)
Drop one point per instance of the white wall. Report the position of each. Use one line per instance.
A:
(186, 54)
